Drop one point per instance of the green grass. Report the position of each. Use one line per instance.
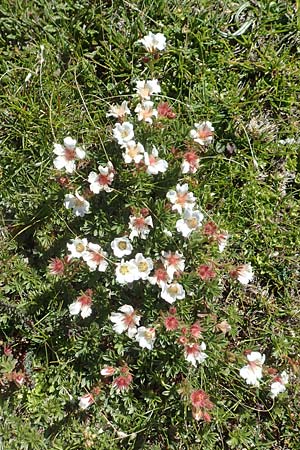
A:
(247, 85)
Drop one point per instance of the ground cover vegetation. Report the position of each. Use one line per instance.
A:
(149, 286)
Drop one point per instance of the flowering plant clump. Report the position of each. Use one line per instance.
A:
(160, 273)
(148, 306)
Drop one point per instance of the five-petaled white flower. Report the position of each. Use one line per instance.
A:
(191, 221)
(82, 305)
(153, 42)
(126, 272)
(252, 372)
(134, 152)
(67, 154)
(101, 181)
(145, 337)
(203, 133)
(173, 262)
(190, 163)
(77, 247)
(153, 163)
(123, 132)
(194, 353)
(121, 247)
(119, 111)
(85, 401)
(145, 111)
(172, 292)
(147, 88)
(77, 203)
(278, 384)
(140, 226)
(95, 257)
(160, 277)
(126, 320)
(243, 273)
(181, 199)
(144, 265)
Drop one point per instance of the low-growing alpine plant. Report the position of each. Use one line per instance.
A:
(154, 277)
(143, 311)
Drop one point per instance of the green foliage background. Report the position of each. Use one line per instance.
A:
(234, 63)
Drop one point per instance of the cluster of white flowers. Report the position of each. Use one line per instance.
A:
(253, 373)
(183, 202)
(123, 132)
(92, 254)
(166, 270)
(128, 321)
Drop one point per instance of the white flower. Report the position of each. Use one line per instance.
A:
(147, 88)
(192, 220)
(154, 164)
(172, 292)
(153, 42)
(101, 181)
(181, 199)
(160, 277)
(140, 226)
(194, 353)
(77, 247)
(222, 239)
(145, 111)
(82, 305)
(173, 262)
(190, 163)
(278, 384)
(133, 152)
(67, 155)
(144, 265)
(126, 272)
(107, 371)
(252, 372)
(203, 134)
(119, 111)
(85, 401)
(243, 273)
(121, 247)
(77, 203)
(123, 132)
(145, 337)
(126, 320)
(95, 257)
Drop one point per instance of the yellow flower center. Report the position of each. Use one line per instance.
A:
(132, 152)
(124, 270)
(192, 222)
(173, 289)
(122, 245)
(142, 266)
(79, 247)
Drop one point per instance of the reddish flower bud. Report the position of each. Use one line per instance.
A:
(7, 350)
(172, 310)
(171, 323)
(195, 330)
(200, 399)
(56, 266)
(206, 272)
(122, 382)
(164, 110)
(210, 229)
(182, 340)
